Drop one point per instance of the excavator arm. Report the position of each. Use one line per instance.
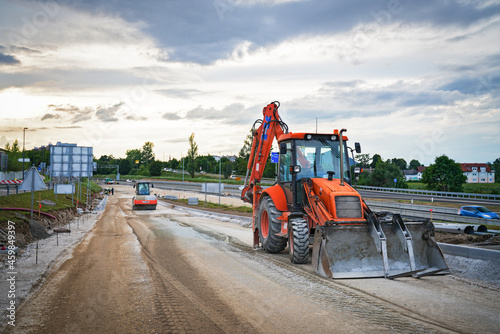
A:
(271, 127)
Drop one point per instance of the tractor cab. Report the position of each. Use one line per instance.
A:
(143, 188)
(307, 156)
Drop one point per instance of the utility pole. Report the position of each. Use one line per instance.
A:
(24, 137)
(220, 168)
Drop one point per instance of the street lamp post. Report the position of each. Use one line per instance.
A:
(24, 137)
(220, 165)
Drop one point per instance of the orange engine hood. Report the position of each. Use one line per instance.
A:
(345, 208)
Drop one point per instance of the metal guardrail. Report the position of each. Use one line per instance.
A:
(413, 207)
(423, 211)
(433, 193)
(409, 210)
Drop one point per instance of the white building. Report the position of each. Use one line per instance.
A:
(478, 173)
(414, 175)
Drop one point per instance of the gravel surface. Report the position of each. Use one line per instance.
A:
(171, 271)
(38, 259)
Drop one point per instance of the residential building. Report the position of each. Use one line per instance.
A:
(478, 173)
(414, 175)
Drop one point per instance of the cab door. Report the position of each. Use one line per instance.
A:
(285, 177)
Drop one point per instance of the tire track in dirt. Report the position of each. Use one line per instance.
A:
(183, 301)
(328, 293)
(102, 288)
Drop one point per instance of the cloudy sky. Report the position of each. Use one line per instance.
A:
(410, 79)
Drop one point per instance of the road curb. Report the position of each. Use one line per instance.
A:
(470, 252)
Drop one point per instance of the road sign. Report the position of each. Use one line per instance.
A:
(33, 181)
(275, 157)
(25, 159)
(64, 189)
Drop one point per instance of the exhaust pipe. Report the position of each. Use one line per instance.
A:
(341, 140)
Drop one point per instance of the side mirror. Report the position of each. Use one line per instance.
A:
(152, 185)
(134, 185)
(357, 147)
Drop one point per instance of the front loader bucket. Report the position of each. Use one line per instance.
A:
(387, 249)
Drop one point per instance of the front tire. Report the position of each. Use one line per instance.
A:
(298, 241)
(270, 226)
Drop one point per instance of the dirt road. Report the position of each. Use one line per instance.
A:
(166, 271)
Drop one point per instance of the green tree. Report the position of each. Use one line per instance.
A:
(384, 174)
(376, 158)
(155, 168)
(125, 166)
(414, 164)
(13, 156)
(444, 175)
(247, 147)
(147, 155)
(496, 167)
(191, 155)
(134, 156)
(106, 164)
(227, 167)
(362, 160)
(241, 162)
(400, 163)
(173, 163)
(15, 147)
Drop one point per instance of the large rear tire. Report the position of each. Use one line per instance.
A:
(298, 241)
(269, 226)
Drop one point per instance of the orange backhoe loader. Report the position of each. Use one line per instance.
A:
(313, 202)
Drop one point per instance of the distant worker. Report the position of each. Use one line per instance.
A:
(112, 191)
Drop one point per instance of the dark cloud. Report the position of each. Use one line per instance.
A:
(19, 49)
(342, 100)
(8, 59)
(108, 114)
(23, 49)
(203, 31)
(73, 113)
(76, 114)
(50, 116)
(479, 84)
(136, 118)
(171, 116)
